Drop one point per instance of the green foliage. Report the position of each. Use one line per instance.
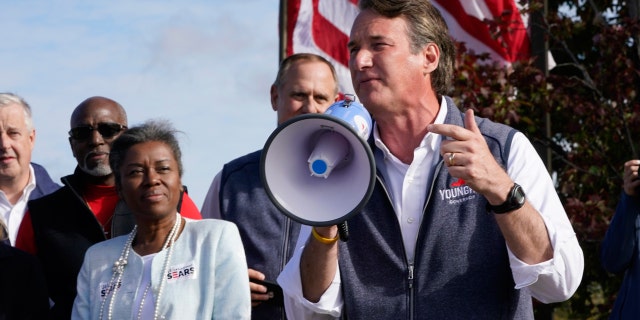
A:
(585, 112)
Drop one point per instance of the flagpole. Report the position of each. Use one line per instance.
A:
(283, 31)
(540, 50)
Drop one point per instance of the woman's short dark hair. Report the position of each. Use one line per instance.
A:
(151, 130)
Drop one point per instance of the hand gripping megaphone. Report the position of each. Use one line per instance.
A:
(318, 169)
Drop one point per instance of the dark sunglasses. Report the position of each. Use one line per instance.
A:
(107, 131)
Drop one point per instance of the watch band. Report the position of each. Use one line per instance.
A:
(515, 200)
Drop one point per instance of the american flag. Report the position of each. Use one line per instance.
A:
(323, 26)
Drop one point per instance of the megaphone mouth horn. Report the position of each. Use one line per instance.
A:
(287, 177)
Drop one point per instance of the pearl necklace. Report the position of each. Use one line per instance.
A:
(118, 270)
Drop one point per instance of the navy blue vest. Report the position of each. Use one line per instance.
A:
(268, 235)
(461, 268)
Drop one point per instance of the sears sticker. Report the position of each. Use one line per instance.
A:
(181, 272)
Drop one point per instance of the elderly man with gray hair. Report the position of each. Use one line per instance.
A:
(20, 180)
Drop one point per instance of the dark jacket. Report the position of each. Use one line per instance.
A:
(44, 184)
(620, 253)
(268, 235)
(64, 228)
(23, 290)
(461, 268)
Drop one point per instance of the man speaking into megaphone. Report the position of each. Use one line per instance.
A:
(463, 222)
(305, 84)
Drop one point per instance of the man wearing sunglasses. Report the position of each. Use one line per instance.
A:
(60, 228)
(20, 180)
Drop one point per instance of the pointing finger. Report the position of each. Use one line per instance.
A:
(470, 121)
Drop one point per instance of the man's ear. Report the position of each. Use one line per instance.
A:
(274, 98)
(71, 146)
(431, 54)
(32, 138)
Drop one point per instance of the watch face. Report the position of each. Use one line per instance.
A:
(518, 195)
(514, 201)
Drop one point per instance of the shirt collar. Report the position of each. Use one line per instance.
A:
(429, 140)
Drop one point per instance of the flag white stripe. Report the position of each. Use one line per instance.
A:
(476, 9)
(303, 42)
(341, 13)
(458, 33)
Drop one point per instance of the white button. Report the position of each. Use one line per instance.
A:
(410, 220)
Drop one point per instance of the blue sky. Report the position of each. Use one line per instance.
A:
(204, 65)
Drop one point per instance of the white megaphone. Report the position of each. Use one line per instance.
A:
(318, 168)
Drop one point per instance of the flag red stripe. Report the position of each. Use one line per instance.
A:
(516, 40)
(471, 25)
(329, 38)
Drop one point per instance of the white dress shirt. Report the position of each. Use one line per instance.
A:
(12, 214)
(211, 205)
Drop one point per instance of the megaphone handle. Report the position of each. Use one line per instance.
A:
(343, 231)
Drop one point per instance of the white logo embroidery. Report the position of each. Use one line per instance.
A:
(460, 192)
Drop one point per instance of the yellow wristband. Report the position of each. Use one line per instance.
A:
(323, 239)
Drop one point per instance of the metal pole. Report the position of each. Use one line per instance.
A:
(282, 31)
(540, 50)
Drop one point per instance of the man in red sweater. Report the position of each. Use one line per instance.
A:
(60, 227)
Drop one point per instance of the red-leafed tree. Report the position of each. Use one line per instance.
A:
(583, 115)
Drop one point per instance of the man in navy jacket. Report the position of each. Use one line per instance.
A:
(619, 251)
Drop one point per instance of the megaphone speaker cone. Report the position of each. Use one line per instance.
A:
(329, 151)
(287, 166)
